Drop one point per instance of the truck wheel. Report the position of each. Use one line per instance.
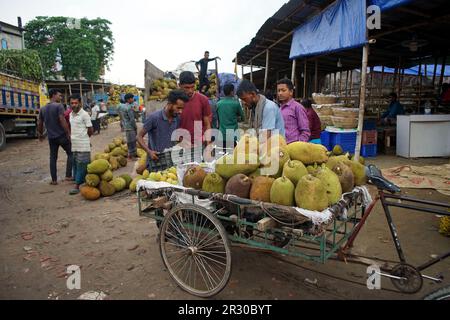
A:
(32, 133)
(2, 137)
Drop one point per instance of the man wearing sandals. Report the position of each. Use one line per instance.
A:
(81, 131)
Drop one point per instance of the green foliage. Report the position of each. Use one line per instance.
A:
(21, 63)
(84, 50)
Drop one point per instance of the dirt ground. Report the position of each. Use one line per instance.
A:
(43, 230)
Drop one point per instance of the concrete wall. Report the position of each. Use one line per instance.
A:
(12, 36)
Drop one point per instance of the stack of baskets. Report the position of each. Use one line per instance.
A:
(345, 118)
(324, 107)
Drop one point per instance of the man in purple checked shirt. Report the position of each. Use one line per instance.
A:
(294, 114)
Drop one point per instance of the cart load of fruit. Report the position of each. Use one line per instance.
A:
(161, 88)
(115, 153)
(300, 174)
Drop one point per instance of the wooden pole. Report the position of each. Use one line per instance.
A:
(362, 101)
(65, 95)
(251, 71)
(346, 85)
(340, 83)
(217, 80)
(334, 84)
(316, 75)
(435, 71)
(420, 87)
(371, 83)
(441, 79)
(351, 84)
(266, 76)
(81, 90)
(70, 89)
(381, 91)
(304, 81)
(294, 67)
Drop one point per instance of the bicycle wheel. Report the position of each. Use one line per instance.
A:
(195, 249)
(441, 294)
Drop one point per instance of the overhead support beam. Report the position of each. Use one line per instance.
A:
(266, 76)
(273, 45)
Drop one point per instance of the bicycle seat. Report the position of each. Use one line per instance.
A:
(376, 177)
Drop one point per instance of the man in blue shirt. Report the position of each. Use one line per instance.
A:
(267, 115)
(395, 108)
(161, 124)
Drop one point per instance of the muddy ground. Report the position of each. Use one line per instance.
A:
(43, 230)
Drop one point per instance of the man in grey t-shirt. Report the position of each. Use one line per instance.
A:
(52, 115)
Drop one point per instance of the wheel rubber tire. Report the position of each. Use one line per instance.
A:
(226, 244)
(2, 137)
(441, 294)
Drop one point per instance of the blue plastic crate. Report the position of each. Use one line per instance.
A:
(325, 138)
(369, 150)
(370, 125)
(346, 140)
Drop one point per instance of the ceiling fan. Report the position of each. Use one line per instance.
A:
(414, 44)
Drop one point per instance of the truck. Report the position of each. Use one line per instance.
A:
(19, 106)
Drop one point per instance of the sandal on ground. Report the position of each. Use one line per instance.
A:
(74, 192)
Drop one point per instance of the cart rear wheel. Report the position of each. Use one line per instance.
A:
(413, 282)
(195, 249)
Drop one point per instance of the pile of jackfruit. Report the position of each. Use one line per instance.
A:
(161, 88)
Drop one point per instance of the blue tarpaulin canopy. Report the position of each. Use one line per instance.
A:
(339, 27)
(414, 71)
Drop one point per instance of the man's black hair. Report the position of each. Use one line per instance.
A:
(206, 52)
(287, 82)
(228, 89)
(306, 103)
(393, 95)
(53, 92)
(176, 95)
(101, 100)
(128, 96)
(187, 77)
(75, 97)
(246, 87)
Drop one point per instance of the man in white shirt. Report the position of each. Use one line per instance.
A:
(95, 119)
(81, 130)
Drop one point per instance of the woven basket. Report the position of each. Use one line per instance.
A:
(324, 99)
(346, 112)
(323, 110)
(345, 123)
(326, 120)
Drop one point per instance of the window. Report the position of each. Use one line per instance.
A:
(4, 44)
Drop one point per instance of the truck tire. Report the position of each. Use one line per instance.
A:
(32, 133)
(2, 137)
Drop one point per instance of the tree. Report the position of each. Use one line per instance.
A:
(86, 46)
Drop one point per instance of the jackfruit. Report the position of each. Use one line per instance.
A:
(141, 152)
(361, 159)
(213, 183)
(337, 150)
(359, 172)
(273, 162)
(107, 176)
(111, 146)
(119, 184)
(92, 180)
(194, 177)
(260, 190)
(104, 156)
(90, 193)
(333, 161)
(118, 152)
(331, 183)
(145, 174)
(114, 162)
(106, 150)
(311, 194)
(125, 148)
(282, 192)
(308, 153)
(227, 167)
(127, 179)
(346, 177)
(275, 141)
(123, 161)
(133, 184)
(294, 170)
(106, 189)
(239, 185)
(98, 166)
(118, 142)
(246, 150)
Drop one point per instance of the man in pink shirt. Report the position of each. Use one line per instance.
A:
(294, 114)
